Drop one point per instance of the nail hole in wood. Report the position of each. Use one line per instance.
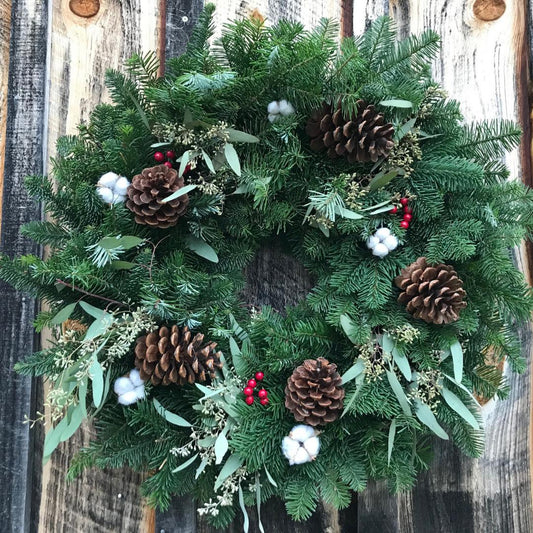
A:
(84, 8)
(489, 10)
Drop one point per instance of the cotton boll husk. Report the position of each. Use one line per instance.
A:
(121, 186)
(289, 447)
(140, 392)
(135, 377)
(301, 432)
(391, 242)
(312, 445)
(372, 241)
(273, 108)
(380, 250)
(123, 385)
(106, 194)
(285, 108)
(108, 180)
(128, 398)
(382, 233)
(301, 457)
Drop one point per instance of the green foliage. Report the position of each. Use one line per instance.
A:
(254, 182)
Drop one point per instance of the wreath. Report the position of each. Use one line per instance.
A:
(348, 158)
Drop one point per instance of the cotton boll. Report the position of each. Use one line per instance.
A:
(382, 233)
(312, 445)
(301, 457)
(135, 377)
(372, 241)
(128, 398)
(117, 199)
(302, 432)
(285, 108)
(289, 447)
(123, 385)
(121, 186)
(106, 194)
(273, 118)
(108, 180)
(380, 250)
(140, 393)
(391, 242)
(273, 108)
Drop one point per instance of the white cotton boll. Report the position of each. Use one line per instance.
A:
(273, 118)
(302, 432)
(312, 446)
(128, 398)
(380, 250)
(108, 180)
(372, 241)
(391, 242)
(135, 377)
(301, 457)
(285, 108)
(289, 447)
(106, 194)
(121, 186)
(273, 108)
(117, 199)
(123, 385)
(140, 392)
(382, 233)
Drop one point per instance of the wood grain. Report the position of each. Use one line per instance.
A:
(22, 112)
(81, 51)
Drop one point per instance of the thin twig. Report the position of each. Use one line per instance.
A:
(79, 289)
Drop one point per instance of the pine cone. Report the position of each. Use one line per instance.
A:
(314, 393)
(170, 356)
(147, 192)
(433, 293)
(362, 137)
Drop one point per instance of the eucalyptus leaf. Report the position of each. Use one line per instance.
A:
(82, 395)
(208, 161)
(392, 434)
(237, 136)
(462, 387)
(208, 393)
(180, 192)
(159, 145)
(258, 502)
(233, 463)
(385, 209)
(232, 158)
(126, 242)
(381, 179)
(347, 213)
(426, 416)
(457, 357)
(387, 343)
(184, 161)
(245, 519)
(404, 129)
(403, 364)
(236, 357)
(98, 327)
(354, 371)
(170, 417)
(63, 314)
(96, 374)
(186, 464)
(201, 468)
(221, 446)
(122, 265)
(75, 420)
(459, 407)
(399, 392)
(201, 248)
(269, 477)
(53, 438)
(92, 310)
(348, 327)
(406, 104)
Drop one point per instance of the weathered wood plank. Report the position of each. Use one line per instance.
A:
(480, 65)
(22, 112)
(81, 51)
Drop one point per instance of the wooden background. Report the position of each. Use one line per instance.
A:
(52, 63)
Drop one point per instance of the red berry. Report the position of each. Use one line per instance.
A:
(259, 376)
(168, 164)
(171, 155)
(404, 224)
(407, 210)
(159, 157)
(249, 400)
(264, 401)
(394, 209)
(407, 217)
(404, 201)
(262, 394)
(187, 169)
(248, 391)
(252, 383)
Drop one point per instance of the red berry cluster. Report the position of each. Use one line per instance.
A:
(169, 156)
(250, 387)
(407, 212)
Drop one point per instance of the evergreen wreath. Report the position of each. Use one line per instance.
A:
(351, 158)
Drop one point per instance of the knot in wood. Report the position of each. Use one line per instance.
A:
(489, 10)
(84, 8)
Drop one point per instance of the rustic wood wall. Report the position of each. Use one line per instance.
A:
(55, 65)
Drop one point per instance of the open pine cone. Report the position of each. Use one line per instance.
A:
(173, 356)
(147, 192)
(432, 293)
(362, 137)
(314, 392)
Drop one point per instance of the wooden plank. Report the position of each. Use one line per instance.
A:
(22, 111)
(480, 65)
(81, 51)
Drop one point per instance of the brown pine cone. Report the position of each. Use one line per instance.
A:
(147, 192)
(362, 137)
(314, 392)
(432, 293)
(173, 356)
